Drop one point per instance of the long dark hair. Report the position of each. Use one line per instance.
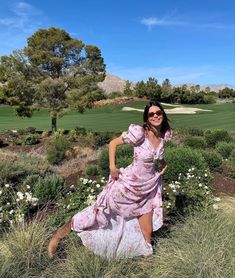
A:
(165, 122)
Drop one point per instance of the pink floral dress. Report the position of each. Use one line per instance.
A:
(110, 226)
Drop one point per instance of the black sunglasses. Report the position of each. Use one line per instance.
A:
(157, 113)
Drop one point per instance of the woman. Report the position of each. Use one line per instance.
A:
(129, 208)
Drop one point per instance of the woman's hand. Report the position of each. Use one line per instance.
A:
(163, 170)
(114, 172)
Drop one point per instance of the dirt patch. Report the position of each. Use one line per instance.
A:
(222, 184)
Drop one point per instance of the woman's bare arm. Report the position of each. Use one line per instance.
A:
(114, 172)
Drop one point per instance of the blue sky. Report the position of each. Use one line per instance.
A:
(186, 41)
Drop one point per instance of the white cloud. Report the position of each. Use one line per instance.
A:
(23, 20)
(24, 17)
(167, 21)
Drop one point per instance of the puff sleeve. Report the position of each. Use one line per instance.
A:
(134, 135)
(167, 135)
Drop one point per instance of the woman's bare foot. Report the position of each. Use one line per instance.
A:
(57, 237)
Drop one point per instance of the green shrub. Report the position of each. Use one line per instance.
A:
(31, 130)
(215, 136)
(80, 130)
(31, 139)
(195, 131)
(195, 142)
(46, 188)
(1, 142)
(102, 138)
(192, 191)
(213, 159)
(72, 135)
(179, 160)
(91, 170)
(170, 144)
(232, 155)
(124, 157)
(57, 148)
(81, 195)
(225, 149)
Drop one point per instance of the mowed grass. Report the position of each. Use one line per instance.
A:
(112, 118)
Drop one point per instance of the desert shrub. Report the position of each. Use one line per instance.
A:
(215, 136)
(180, 159)
(86, 140)
(213, 159)
(57, 148)
(14, 171)
(31, 130)
(225, 149)
(124, 157)
(91, 170)
(102, 138)
(46, 188)
(72, 135)
(230, 168)
(195, 142)
(80, 130)
(13, 138)
(31, 139)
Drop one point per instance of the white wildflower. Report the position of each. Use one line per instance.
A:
(0, 192)
(206, 187)
(20, 195)
(85, 181)
(7, 185)
(28, 186)
(98, 185)
(11, 211)
(206, 175)
(217, 199)
(200, 185)
(215, 206)
(72, 186)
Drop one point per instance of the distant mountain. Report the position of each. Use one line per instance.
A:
(114, 83)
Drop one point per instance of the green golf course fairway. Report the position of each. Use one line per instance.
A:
(112, 118)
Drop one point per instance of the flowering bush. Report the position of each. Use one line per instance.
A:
(192, 191)
(15, 204)
(81, 195)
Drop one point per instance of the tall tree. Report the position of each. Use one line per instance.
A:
(127, 89)
(153, 89)
(54, 71)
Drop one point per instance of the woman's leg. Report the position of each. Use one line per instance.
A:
(57, 237)
(146, 225)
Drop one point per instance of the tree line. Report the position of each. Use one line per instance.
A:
(179, 94)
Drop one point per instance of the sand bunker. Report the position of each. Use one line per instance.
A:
(178, 110)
